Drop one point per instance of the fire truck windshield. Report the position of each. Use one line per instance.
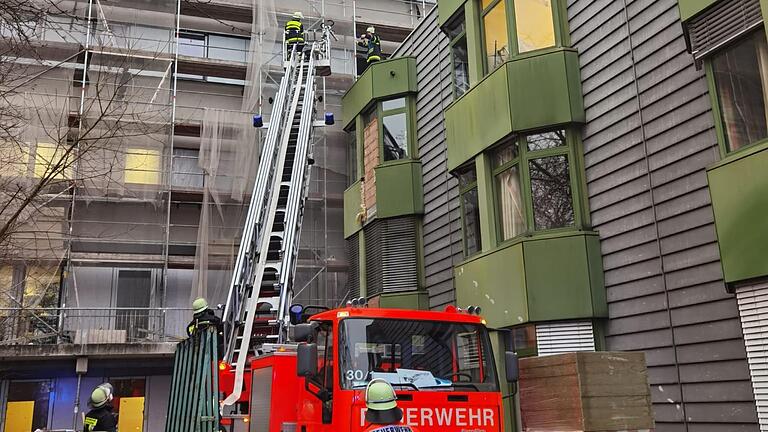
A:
(416, 354)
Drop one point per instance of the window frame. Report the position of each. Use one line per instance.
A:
(571, 151)
(408, 109)
(560, 25)
(715, 101)
(459, 19)
(462, 191)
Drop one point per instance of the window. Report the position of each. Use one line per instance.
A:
(494, 19)
(186, 171)
(457, 34)
(511, 209)
(352, 157)
(470, 211)
(142, 166)
(524, 340)
(427, 355)
(539, 163)
(27, 406)
(192, 44)
(534, 25)
(49, 161)
(741, 82)
(395, 131)
(325, 367)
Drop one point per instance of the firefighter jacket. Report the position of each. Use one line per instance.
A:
(202, 320)
(100, 420)
(294, 32)
(390, 428)
(372, 43)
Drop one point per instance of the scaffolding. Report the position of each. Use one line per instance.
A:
(159, 202)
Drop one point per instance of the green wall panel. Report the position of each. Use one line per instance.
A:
(410, 300)
(480, 118)
(557, 274)
(527, 93)
(689, 8)
(446, 9)
(542, 278)
(357, 98)
(739, 189)
(352, 202)
(543, 90)
(496, 282)
(398, 189)
(381, 80)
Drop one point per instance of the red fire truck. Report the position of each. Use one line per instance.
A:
(440, 364)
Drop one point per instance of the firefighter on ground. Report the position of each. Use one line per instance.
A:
(100, 417)
(371, 42)
(294, 33)
(203, 318)
(382, 414)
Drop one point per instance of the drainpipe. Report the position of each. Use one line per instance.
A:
(81, 368)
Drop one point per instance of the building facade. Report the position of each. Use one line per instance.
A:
(591, 173)
(146, 212)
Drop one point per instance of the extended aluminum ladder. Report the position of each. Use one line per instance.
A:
(261, 290)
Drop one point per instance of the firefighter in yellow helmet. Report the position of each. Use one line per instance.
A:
(294, 33)
(382, 414)
(100, 417)
(372, 44)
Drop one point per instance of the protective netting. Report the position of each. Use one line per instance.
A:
(229, 155)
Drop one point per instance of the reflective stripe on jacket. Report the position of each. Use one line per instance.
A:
(294, 31)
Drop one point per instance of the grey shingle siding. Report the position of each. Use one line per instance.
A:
(648, 110)
(442, 229)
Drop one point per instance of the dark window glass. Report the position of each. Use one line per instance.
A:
(466, 178)
(352, 157)
(428, 355)
(546, 140)
(395, 136)
(505, 153)
(460, 60)
(471, 219)
(741, 79)
(551, 192)
(25, 396)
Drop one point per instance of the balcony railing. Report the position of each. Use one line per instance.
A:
(40, 326)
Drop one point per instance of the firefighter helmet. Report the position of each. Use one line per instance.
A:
(381, 401)
(99, 397)
(199, 305)
(371, 30)
(298, 15)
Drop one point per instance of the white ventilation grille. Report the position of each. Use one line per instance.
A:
(753, 309)
(565, 337)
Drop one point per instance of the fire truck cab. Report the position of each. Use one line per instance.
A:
(440, 364)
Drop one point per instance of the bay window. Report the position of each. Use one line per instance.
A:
(534, 24)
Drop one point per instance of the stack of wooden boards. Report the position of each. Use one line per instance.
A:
(585, 392)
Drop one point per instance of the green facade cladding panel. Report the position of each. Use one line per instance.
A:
(738, 186)
(399, 189)
(381, 80)
(689, 8)
(527, 93)
(447, 8)
(405, 300)
(553, 277)
(352, 200)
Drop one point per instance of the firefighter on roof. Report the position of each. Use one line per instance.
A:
(294, 33)
(382, 414)
(371, 42)
(100, 417)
